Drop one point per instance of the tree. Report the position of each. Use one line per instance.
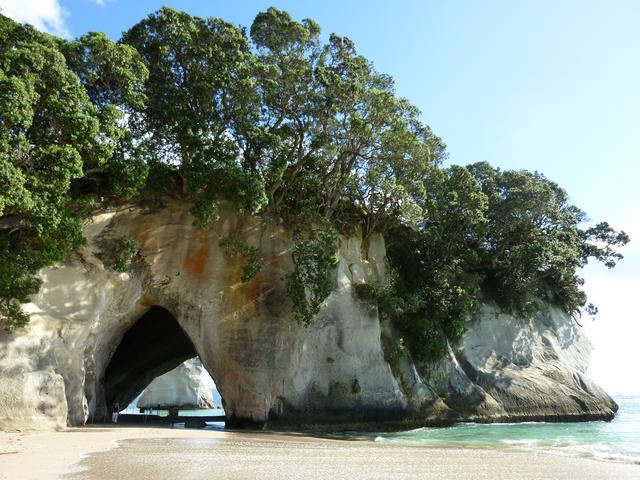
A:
(51, 135)
(47, 125)
(533, 243)
(201, 98)
(114, 77)
(434, 290)
(336, 130)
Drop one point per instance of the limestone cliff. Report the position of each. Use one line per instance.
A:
(97, 337)
(182, 387)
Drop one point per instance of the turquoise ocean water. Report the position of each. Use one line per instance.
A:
(618, 440)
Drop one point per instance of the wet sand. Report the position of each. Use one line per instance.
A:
(168, 454)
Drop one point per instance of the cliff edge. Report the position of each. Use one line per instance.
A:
(97, 337)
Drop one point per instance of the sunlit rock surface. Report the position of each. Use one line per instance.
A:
(185, 386)
(87, 345)
(521, 369)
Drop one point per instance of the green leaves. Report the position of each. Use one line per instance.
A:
(113, 74)
(17, 280)
(233, 246)
(200, 97)
(599, 241)
(339, 133)
(275, 30)
(507, 236)
(533, 244)
(126, 250)
(315, 256)
(50, 130)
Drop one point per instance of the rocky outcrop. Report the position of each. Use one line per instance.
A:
(521, 369)
(85, 346)
(184, 387)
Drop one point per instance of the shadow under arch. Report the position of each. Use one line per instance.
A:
(154, 345)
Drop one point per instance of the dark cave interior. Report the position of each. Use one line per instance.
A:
(154, 345)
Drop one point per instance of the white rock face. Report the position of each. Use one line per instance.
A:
(60, 369)
(32, 399)
(185, 386)
(521, 368)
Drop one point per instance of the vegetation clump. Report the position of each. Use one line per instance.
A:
(274, 121)
(233, 246)
(314, 256)
(118, 253)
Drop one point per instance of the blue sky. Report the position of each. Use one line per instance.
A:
(544, 85)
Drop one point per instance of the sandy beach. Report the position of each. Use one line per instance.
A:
(101, 453)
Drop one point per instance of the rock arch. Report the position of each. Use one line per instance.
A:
(269, 369)
(152, 346)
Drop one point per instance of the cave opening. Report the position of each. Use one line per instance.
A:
(154, 346)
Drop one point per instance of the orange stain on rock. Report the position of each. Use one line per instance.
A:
(250, 291)
(195, 263)
(148, 300)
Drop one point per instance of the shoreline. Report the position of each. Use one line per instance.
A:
(96, 452)
(55, 454)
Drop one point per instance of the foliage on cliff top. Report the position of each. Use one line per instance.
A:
(272, 121)
(507, 236)
(57, 125)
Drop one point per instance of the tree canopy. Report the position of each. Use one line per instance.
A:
(59, 122)
(275, 121)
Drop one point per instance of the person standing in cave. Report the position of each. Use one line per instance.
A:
(115, 410)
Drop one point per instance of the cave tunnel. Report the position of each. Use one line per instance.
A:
(154, 345)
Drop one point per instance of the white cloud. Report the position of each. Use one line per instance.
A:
(45, 15)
